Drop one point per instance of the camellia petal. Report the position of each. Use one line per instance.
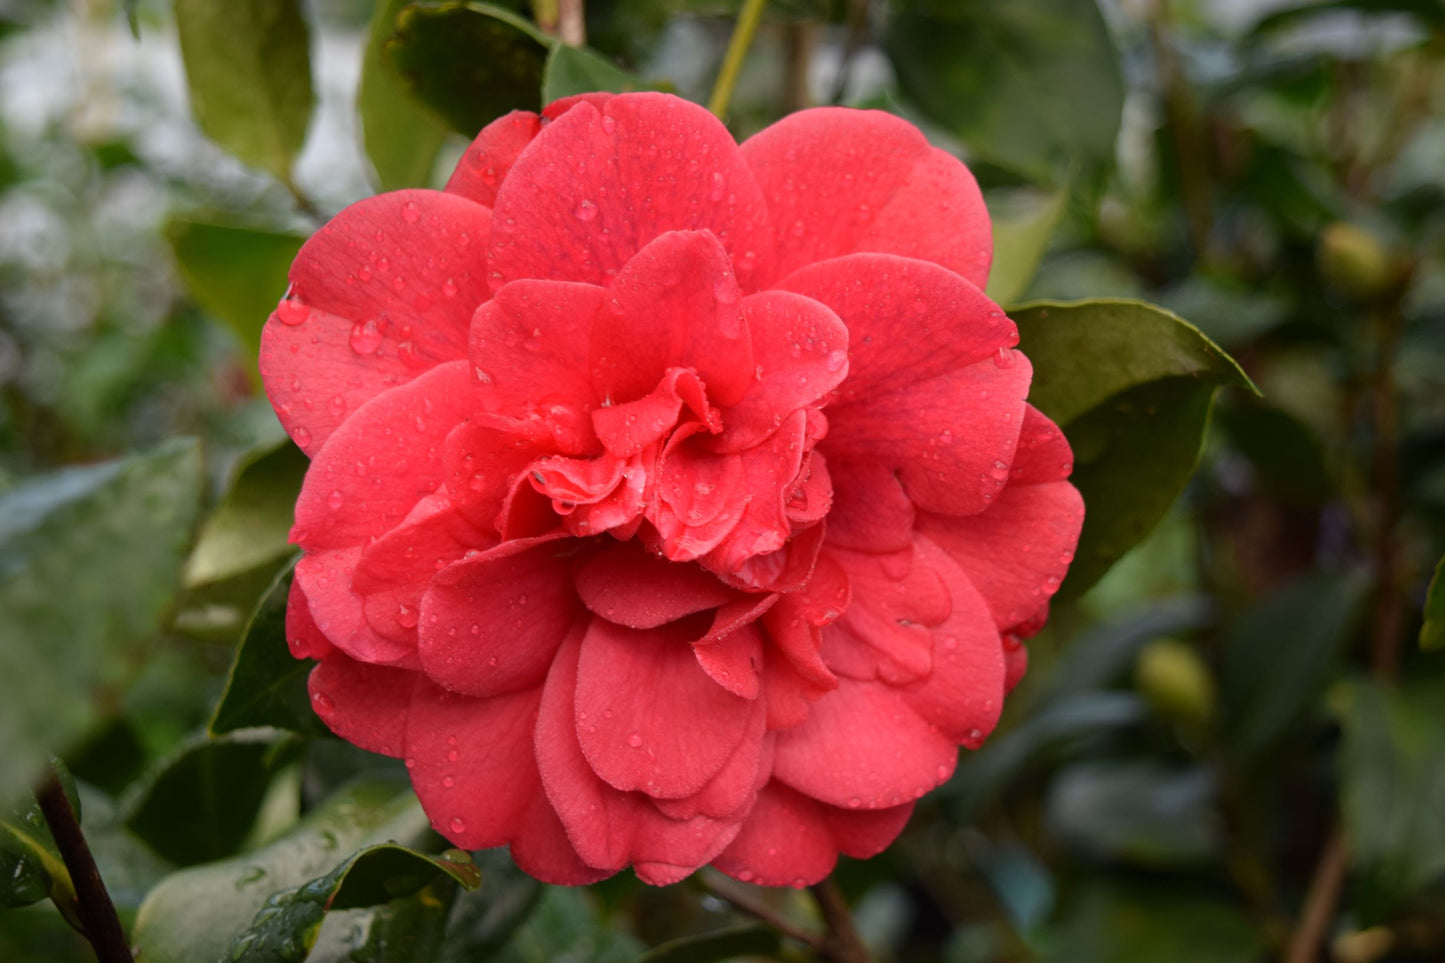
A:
(362, 703)
(490, 156)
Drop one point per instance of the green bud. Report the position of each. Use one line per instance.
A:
(1354, 260)
(1175, 680)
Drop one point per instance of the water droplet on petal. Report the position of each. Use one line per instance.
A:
(835, 360)
(585, 211)
(448, 781)
(334, 500)
(449, 288)
(635, 741)
(406, 616)
(458, 824)
(302, 437)
(292, 312)
(409, 213)
(365, 337)
(323, 703)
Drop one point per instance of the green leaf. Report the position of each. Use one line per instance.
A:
(200, 804)
(1139, 811)
(1393, 786)
(579, 70)
(236, 273)
(30, 866)
(248, 69)
(1280, 654)
(1432, 633)
(1131, 385)
(1022, 228)
(470, 63)
(90, 564)
(286, 927)
(193, 915)
(267, 684)
(401, 138)
(1033, 85)
(1111, 922)
(565, 925)
(482, 921)
(723, 944)
(252, 524)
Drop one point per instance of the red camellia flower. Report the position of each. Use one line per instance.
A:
(672, 501)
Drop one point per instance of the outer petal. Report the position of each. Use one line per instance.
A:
(908, 321)
(964, 694)
(871, 512)
(839, 181)
(491, 623)
(385, 459)
(472, 763)
(783, 842)
(364, 704)
(339, 612)
(862, 746)
(383, 292)
(596, 186)
(542, 850)
(674, 304)
(490, 156)
(951, 437)
(648, 717)
(303, 638)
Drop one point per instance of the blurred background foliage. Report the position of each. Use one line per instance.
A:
(1230, 748)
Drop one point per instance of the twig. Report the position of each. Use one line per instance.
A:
(842, 944)
(728, 891)
(97, 912)
(571, 23)
(1320, 900)
(732, 65)
(857, 33)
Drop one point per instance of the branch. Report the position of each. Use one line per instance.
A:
(742, 39)
(842, 944)
(1319, 909)
(734, 893)
(97, 912)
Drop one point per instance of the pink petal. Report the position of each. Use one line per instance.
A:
(303, 638)
(1017, 552)
(491, 623)
(798, 640)
(627, 585)
(1043, 454)
(364, 704)
(482, 459)
(862, 746)
(674, 304)
(908, 321)
(339, 612)
(839, 180)
(951, 437)
(769, 472)
(382, 293)
(884, 633)
(648, 717)
(490, 156)
(541, 849)
(609, 828)
(864, 833)
(730, 794)
(531, 345)
(472, 764)
(734, 662)
(385, 458)
(785, 841)
(801, 353)
(396, 569)
(628, 428)
(597, 185)
(964, 694)
(871, 512)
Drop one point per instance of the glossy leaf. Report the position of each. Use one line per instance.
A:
(579, 70)
(1280, 654)
(482, 921)
(469, 63)
(236, 273)
(1033, 85)
(30, 866)
(252, 524)
(248, 69)
(1432, 633)
(200, 804)
(1393, 786)
(1141, 812)
(1022, 229)
(292, 917)
(401, 137)
(267, 685)
(90, 564)
(1132, 386)
(196, 913)
(717, 945)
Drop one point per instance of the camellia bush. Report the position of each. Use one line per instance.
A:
(698, 480)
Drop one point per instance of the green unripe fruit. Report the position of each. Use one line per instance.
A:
(1354, 260)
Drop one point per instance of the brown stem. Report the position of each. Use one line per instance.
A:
(857, 34)
(799, 40)
(1319, 908)
(842, 944)
(734, 893)
(571, 23)
(97, 912)
(1387, 624)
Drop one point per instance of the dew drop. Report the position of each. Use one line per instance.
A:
(448, 781)
(1003, 358)
(292, 312)
(323, 703)
(635, 741)
(458, 824)
(406, 616)
(585, 211)
(854, 803)
(335, 500)
(449, 288)
(302, 437)
(365, 337)
(337, 406)
(409, 213)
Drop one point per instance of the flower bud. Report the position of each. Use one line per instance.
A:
(1354, 260)
(1175, 680)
